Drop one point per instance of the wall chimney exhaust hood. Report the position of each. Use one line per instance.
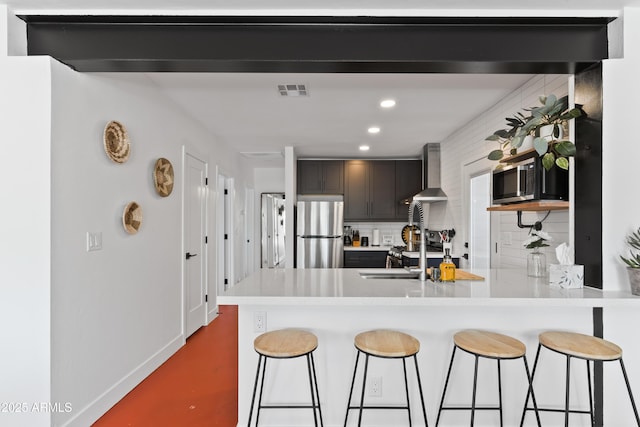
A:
(431, 172)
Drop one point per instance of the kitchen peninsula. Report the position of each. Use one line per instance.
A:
(336, 304)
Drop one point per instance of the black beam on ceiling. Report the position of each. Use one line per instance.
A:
(319, 44)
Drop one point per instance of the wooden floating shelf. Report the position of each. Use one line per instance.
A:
(554, 205)
(527, 154)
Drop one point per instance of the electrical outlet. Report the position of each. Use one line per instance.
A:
(505, 238)
(375, 386)
(259, 321)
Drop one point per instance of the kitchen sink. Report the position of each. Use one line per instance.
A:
(390, 273)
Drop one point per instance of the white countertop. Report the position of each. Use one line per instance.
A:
(344, 287)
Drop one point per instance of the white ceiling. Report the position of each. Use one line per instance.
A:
(246, 112)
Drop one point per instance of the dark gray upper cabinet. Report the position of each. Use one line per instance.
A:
(370, 190)
(320, 177)
(382, 193)
(408, 183)
(356, 189)
(373, 189)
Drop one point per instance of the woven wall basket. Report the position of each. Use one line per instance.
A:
(132, 218)
(116, 142)
(163, 177)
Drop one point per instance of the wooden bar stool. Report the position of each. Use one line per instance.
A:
(385, 344)
(585, 347)
(286, 344)
(488, 345)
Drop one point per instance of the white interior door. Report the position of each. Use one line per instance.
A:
(224, 232)
(195, 232)
(249, 217)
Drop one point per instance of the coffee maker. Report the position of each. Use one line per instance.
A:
(347, 235)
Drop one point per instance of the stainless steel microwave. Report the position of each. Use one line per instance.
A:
(529, 180)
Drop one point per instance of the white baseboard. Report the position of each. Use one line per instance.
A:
(94, 410)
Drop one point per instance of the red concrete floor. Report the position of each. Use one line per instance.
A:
(197, 386)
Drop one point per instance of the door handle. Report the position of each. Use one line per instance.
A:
(190, 255)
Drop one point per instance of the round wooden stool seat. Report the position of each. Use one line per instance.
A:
(580, 345)
(489, 344)
(285, 343)
(387, 343)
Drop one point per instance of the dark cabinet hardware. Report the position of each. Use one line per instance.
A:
(190, 255)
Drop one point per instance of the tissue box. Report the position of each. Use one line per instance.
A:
(566, 276)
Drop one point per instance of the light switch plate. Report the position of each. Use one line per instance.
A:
(387, 239)
(94, 241)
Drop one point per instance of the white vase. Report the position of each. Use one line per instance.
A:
(546, 132)
(527, 143)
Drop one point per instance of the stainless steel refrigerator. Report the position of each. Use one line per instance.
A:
(319, 234)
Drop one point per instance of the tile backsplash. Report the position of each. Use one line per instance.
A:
(392, 229)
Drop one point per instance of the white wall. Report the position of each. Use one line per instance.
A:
(620, 208)
(25, 238)
(621, 152)
(87, 327)
(468, 145)
(117, 313)
(13, 35)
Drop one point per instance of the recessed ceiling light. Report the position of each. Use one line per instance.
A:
(374, 129)
(388, 103)
(364, 148)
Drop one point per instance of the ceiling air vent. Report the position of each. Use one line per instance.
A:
(293, 90)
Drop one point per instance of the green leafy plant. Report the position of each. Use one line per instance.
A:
(553, 112)
(633, 240)
(537, 239)
(511, 136)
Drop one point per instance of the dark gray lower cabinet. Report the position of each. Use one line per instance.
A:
(365, 259)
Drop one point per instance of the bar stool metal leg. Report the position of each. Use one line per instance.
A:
(313, 397)
(566, 400)
(500, 393)
(406, 389)
(593, 421)
(255, 387)
(633, 402)
(353, 380)
(530, 389)
(364, 383)
(446, 383)
(475, 385)
(315, 381)
(424, 409)
(264, 368)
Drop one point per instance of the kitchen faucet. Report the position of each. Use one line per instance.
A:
(423, 232)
